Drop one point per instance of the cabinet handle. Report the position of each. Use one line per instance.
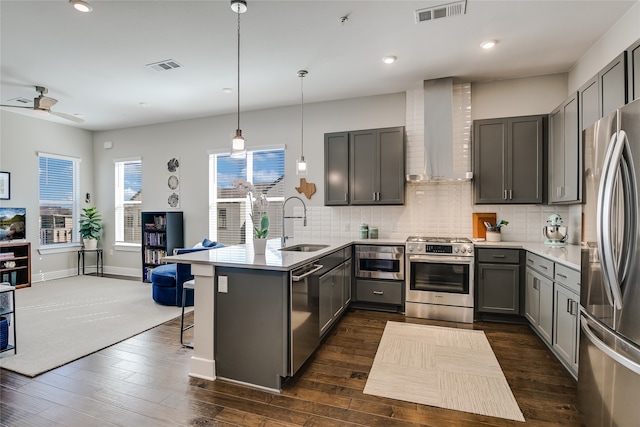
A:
(530, 260)
(505, 195)
(345, 197)
(561, 275)
(510, 194)
(535, 283)
(498, 256)
(569, 306)
(544, 266)
(378, 292)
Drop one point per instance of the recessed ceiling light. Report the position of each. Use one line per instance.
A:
(227, 90)
(389, 59)
(81, 6)
(144, 104)
(488, 44)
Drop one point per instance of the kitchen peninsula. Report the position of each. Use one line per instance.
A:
(259, 317)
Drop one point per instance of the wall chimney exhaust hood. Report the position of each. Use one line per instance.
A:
(447, 126)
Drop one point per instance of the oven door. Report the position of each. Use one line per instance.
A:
(445, 280)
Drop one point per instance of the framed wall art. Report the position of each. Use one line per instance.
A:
(5, 185)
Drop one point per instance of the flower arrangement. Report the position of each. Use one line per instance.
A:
(259, 205)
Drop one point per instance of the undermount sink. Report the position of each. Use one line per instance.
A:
(304, 247)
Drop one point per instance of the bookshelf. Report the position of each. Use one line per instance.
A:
(162, 232)
(15, 263)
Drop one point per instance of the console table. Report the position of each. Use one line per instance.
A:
(99, 261)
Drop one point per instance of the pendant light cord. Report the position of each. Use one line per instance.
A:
(302, 115)
(238, 12)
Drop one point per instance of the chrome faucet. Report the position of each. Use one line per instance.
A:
(283, 239)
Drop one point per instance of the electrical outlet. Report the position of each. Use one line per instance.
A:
(223, 284)
(110, 252)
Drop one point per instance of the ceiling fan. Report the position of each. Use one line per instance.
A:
(44, 103)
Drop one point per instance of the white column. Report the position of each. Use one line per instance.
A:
(203, 364)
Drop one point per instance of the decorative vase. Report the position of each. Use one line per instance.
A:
(90, 244)
(259, 246)
(494, 236)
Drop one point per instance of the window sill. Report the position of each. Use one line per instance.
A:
(57, 249)
(127, 247)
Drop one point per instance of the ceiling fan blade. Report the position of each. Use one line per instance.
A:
(16, 106)
(67, 116)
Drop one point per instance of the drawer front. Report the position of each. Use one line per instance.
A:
(379, 291)
(568, 277)
(498, 255)
(540, 264)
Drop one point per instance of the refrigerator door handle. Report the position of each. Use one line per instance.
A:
(617, 357)
(603, 221)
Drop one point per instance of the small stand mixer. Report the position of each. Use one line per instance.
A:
(555, 233)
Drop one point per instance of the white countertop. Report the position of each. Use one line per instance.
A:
(242, 256)
(568, 255)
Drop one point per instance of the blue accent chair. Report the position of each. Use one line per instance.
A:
(167, 279)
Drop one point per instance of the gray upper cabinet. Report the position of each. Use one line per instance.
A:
(565, 154)
(613, 85)
(633, 71)
(376, 176)
(336, 169)
(508, 160)
(604, 92)
(365, 167)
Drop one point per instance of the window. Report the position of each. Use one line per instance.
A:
(58, 198)
(229, 210)
(128, 203)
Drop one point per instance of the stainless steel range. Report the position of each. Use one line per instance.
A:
(439, 280)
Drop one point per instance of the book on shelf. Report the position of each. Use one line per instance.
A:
(7, 255)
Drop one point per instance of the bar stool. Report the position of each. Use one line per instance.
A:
(189, 285)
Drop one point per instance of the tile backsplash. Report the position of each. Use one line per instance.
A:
(442, 209)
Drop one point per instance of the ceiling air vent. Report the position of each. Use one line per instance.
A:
(441, 11)
(166, 65)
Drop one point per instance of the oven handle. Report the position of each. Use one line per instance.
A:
(441, 259)
(379, 255)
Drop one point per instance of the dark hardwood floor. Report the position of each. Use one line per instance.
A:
(144, 381)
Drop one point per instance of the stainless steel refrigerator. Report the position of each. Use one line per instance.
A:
(609, 358)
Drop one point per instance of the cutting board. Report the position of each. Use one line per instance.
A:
(479, 230)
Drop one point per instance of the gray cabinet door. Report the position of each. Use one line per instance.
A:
(391, 168)
(499, 288)
(565, 325)
(613, 85)
(633, 73)
(364, 180)
(325, 295)
(490, 147)
(589, 101)
(545, 322)
(336, 169)
(525, 155)
(565, 155)
(532, 297)
(346, 271)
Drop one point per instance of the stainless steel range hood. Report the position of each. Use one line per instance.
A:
(447, 159)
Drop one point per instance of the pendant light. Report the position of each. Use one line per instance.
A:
(238, 147)
(301, 164)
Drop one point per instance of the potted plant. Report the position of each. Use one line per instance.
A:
(258, 202)
(90, 227)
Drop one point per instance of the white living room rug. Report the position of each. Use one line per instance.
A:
(444, 367)
(62, 320)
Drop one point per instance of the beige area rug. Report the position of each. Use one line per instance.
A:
(62, 320)
(444, 367)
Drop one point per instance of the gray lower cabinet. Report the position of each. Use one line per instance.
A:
(498, 273)
(539, 296)
(252, 327)
(379, 294)
(508, 160)
(565, 154)
(335, 294)
(365, 167)
(566, 313)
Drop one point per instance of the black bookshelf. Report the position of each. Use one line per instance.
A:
(162, 232)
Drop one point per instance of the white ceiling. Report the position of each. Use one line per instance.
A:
(94, 63)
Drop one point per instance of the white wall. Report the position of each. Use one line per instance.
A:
(191, 140)
(21, 138)
(622, 35)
